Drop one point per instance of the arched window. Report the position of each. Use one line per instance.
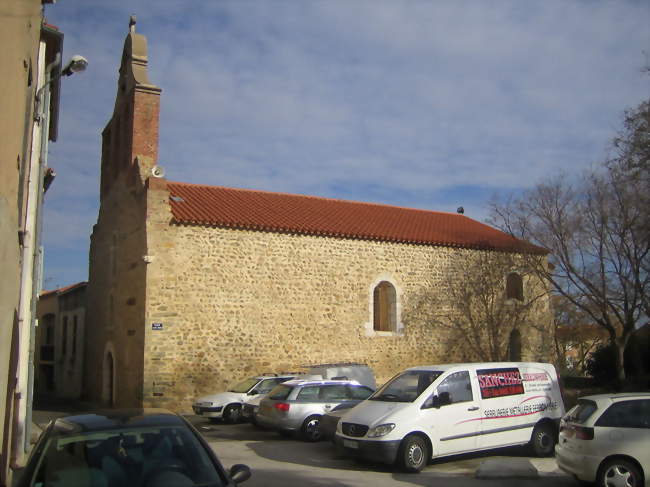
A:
(514, 346)
(514, 287)
(384, 307)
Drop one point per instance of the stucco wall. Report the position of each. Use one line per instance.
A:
(233, 303)
(21, 24)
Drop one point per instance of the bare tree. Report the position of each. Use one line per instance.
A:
(479, 306)
(596, 231)
(576, 336)
(631, 164)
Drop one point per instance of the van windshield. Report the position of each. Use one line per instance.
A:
(406, 387)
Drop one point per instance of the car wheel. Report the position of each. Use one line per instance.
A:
(619, 473)
(309, 428)
(413, 454)
(232, 414)
(543, 440)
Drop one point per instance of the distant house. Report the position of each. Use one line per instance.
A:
(60, 342)
(193, 287)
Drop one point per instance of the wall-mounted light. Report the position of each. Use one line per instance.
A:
(76, 64)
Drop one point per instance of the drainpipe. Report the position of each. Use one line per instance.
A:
(29, 266)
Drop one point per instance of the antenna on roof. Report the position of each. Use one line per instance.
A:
(132, 24)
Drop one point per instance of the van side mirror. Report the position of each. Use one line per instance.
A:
(437, 401)
(432, 401)
(444, 398)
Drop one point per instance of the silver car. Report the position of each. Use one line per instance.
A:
(605, 439)
(296, 406)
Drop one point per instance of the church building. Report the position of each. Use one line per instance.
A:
(195, 287)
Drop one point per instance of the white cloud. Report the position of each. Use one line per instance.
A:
(419, 103)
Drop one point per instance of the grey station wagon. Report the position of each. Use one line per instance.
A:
(296, 406)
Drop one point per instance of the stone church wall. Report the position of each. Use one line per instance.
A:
(229, 303)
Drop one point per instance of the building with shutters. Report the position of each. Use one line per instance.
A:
(59, 343)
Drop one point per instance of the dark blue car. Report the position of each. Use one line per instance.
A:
(125, 447)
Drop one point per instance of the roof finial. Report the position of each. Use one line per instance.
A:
(132, 24)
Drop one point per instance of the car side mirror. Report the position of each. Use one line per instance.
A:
(240, 473)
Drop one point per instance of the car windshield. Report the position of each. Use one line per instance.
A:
(406, 387)
(147, 457)
(245, 385)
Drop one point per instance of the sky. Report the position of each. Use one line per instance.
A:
(424, 104)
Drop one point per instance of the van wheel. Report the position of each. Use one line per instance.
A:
(309, 428)
(232, 414)
(543, 440)
(413, 453)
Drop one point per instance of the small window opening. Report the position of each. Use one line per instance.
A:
(514, 287)
(384, 307)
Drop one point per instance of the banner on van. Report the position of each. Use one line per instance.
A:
(499, 382)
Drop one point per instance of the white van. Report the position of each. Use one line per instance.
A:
(439, 410)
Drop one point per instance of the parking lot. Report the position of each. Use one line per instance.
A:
(280, 461)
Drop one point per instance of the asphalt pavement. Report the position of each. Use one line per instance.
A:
(278, 461)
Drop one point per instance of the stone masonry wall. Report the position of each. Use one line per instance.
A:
(234, 303)
(116, 298)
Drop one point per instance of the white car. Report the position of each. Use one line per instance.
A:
(228, 405)
(606, 438)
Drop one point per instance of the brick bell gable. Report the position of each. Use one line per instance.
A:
(130, 138)
(310, 215)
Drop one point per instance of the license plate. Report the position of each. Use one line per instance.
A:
(351, 444)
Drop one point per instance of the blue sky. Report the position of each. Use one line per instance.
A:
(427, 104)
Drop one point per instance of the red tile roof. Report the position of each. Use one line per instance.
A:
(63, 290)
(309, 215)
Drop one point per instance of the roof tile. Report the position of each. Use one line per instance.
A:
(292, 213)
